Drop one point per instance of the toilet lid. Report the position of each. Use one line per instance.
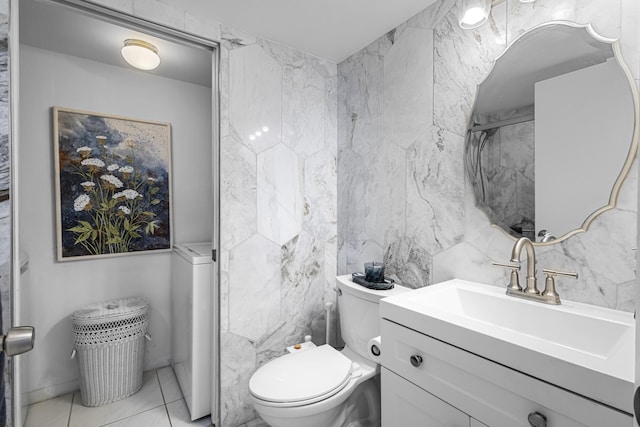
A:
(301, 376)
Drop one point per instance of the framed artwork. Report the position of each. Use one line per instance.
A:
(113, 185)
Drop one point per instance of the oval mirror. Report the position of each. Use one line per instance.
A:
(553, 132)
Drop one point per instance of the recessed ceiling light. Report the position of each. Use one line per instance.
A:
(140, 54)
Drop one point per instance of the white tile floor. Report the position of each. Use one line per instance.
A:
(158, 404)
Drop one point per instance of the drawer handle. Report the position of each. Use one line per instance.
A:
(416, 360)
(536, 419)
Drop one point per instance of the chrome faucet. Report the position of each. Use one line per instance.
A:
(531, 291)
(523, 242)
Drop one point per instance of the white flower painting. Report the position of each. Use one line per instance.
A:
(113, 184)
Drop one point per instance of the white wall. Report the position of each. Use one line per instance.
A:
(579, 117)
(49, 79)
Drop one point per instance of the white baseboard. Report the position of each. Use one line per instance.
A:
(53, 391)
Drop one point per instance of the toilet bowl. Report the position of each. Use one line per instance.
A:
(309, 388)
(324, 387)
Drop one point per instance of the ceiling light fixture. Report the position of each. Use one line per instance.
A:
(140, 54)
(473, 13)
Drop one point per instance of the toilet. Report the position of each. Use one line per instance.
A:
(321, 386)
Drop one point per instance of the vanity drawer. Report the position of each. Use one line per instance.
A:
(405, 404)
(491, 393)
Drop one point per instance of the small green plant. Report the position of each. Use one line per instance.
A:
(116, 198)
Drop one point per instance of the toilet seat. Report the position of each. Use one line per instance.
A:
(301, 378)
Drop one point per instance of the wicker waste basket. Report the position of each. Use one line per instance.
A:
(108, 341)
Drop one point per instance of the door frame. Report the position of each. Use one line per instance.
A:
(125, 19)
(14, 107)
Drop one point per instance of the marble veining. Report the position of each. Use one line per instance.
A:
(408, 263)
(431, 16)
(238, 179)
(280, 198)
(435, 199)
(242, 244)
(255, 281)
(408, 81)
(303, 114)
(629, 11)
(461, 60)
(443, 234)
(382, 203)
(237, 363)
(377, 215)
(338, 120)
(320, 195)
(279, 207)
(364, 101)
(255, 97)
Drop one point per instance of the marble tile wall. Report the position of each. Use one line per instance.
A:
(278, 222)
(5, 206)
(278, 196)
(402, 192)
(382, 133)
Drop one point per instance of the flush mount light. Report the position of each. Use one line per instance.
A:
(140, 54)
(473, 13)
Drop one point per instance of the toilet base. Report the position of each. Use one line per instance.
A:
(363, 406)
(360, 409)
(323, 419)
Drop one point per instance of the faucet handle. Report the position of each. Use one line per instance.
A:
(514, 283)
(550, 272)
(514, 265)
(550, 284)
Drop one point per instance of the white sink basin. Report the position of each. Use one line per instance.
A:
(582, 348)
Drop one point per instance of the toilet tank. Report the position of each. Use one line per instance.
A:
(359, 316)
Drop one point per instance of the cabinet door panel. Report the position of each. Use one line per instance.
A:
(407, 405)
(487, 391)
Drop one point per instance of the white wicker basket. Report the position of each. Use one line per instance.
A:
(108, 341)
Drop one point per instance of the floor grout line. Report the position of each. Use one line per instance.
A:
(73, 397)
(168, 415)
(166, 409)
(160, 386)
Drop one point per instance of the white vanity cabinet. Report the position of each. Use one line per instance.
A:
(405, 404)
(448, 386)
